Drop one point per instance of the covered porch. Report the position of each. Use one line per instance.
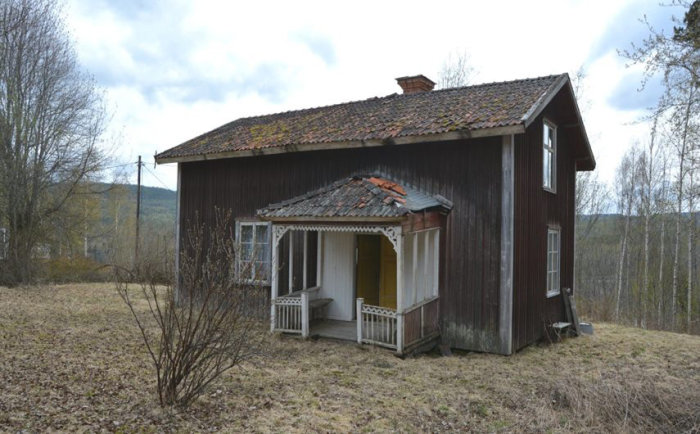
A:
(373, 280)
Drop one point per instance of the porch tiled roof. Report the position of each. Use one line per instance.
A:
(395, 116)
(356, 196)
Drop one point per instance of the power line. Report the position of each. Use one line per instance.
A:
(156, 177)
(120, 165)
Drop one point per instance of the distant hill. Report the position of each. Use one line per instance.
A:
(157, 204)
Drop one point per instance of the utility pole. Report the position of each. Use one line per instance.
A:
(138, 213)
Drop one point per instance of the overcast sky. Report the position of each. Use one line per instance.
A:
(175, 69)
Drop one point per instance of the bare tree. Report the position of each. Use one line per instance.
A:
(650, 179)
(456, 70)
(50, 119)
(217, 322)
(591, 201)
(626, 193)
(677, 54)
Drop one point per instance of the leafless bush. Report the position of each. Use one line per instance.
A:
(203, 326)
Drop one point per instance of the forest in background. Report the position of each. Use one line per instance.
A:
(99, 228)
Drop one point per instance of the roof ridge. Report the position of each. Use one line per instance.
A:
(493, 83)
(373, 121)
(391, 95)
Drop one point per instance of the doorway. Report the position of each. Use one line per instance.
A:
(376, 271)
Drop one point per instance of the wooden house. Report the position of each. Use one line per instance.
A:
(402, 219)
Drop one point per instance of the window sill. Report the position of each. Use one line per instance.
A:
(553, 293)
(549, 190)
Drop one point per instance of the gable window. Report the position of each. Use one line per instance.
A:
(254, 253)
(549, 156)
(553, 261)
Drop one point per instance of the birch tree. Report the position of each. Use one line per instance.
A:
(626, 194)
(51, 117)
(649, 177)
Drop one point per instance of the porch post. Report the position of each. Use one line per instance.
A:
(291, 262)
(399, 292)
(436, 264)
(360, 302)
(274, 283)
(414, 289)
(304, 314)
(319, 256)
(306, 255)
(427, 292)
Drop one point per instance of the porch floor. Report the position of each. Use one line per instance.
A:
(336, 329)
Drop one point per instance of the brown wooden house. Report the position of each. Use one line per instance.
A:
(397, 220)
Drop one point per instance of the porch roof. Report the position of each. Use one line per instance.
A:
(368, 196)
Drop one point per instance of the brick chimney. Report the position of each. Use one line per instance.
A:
(415, 84)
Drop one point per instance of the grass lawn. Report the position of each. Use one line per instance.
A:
(72, 359)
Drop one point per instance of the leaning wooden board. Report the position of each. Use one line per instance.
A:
(570, 309)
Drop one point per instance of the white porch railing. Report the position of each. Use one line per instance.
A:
(376, 325)
(287, 314)
(291, 313)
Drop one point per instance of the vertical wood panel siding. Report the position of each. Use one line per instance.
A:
(535, 209)
(468, 173)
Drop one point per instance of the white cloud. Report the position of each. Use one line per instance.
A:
(173, 71)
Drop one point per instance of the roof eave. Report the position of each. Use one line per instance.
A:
(403, 140)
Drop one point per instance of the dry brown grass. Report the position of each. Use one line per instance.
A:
(71, 359)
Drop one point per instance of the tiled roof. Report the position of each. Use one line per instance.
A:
(419, 114)
(356, 196)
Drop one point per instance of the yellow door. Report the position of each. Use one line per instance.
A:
(368, 268)
(387, 275)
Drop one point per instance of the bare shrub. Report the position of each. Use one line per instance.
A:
(203, 326)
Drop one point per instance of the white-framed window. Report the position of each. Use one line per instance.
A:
(553, 261)
(549, 156)
(254, 243)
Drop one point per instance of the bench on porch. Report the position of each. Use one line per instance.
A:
(315, 304)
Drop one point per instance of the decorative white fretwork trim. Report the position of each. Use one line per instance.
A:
(376, 310)
(287, 301)
(393, 233)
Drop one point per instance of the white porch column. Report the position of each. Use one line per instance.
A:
(360, 302)
(304, 315)
(436, 262)
(306, 259)
(319, 256)
(399, 291)
(274, 283)
(291, 261)
(414, 289)
(427, 290)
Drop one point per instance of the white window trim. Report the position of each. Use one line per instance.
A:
(254, 224)
(553, 149)
(555, 291)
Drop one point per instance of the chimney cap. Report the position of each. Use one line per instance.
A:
(415, 84)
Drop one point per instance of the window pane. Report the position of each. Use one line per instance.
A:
(261, 233)
(246, 251)
(246, 233)
(246, 270)
(545, 168)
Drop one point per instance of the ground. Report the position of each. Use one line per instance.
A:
(72, 360)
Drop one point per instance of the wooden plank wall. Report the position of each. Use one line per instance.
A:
(535, 209)
(466, 172)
